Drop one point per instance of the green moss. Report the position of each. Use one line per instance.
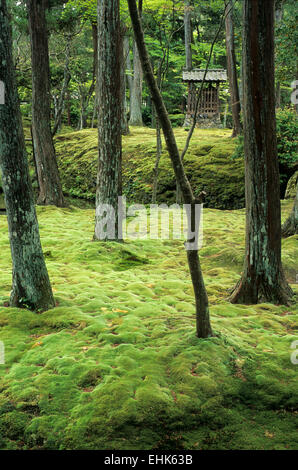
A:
(117, 365)
(209, 166)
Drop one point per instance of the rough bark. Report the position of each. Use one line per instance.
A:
(47, 168)
(109, 116)
(128, 64)
(136, 118)
(290, 227)
(263, 278)
(202, 308)
(157, 159)
(188, 34)
(66, 80)
(278, 18)
(124, 121)
(188, 54)
(232, 68)
(30, 281)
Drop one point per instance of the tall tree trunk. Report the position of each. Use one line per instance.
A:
(124, 121)
(136, 91)
(157, 159)
(201, 298)
(188, 34)
(232, 68)
(188, 55)
(109, 119)
(30, 281)
(128, 64)
(278, 19)
(290, 227)
(48, 175)
(263, 278)
(66, 80)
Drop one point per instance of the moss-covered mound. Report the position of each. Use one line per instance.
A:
(209, 166)
(117, 365)
(291, 187)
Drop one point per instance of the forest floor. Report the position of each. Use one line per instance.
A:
(117, 365)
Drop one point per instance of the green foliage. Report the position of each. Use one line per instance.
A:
(286, 129)
(286, 44)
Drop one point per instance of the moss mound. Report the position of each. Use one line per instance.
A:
(291, 187)
(209, 166)
(117, 365)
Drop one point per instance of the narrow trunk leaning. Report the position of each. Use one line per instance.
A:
(47, 168)
(30, 281)
(232, 68)
(188, 57)
(203, 326)
(109, 118)
(124, 120)
(263, 279)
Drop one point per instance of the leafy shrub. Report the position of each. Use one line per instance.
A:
(177, 120)
(286, 129)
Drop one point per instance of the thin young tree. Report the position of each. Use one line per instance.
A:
(50, 189)
(232, 68)
(202, 308)
(109, 185)
(263, 278)
(137, 85)
(188, 11)
(30, 281)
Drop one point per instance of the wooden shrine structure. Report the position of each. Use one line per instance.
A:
(209, 107)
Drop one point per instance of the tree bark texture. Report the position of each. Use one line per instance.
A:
(202, 308)
(110, 104)
(136, 118)
(232, 69)
(48, 175)
(30, 281)
(263, 278)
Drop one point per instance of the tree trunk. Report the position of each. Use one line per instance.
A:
(158, 157)
(278, 19)
(30, 281)
(263, 278)
(136, 91)
(232, 69)
(109, 119)
(188, 34)
(202, 308)
(48, 175)
(188, 59)
(66, 80)
(124, 121)
(128, 64)
(290, 227)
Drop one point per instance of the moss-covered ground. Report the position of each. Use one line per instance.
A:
(209, 165)
(117, 365)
